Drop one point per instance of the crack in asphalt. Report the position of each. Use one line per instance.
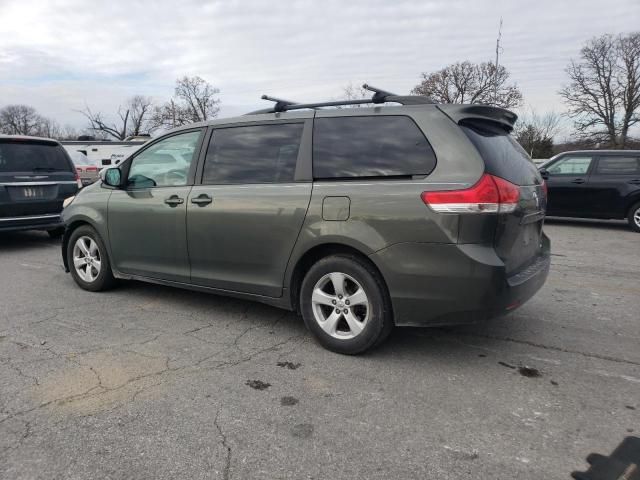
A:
(227, 466)
(557, 349)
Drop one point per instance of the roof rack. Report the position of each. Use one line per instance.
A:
(379, 96)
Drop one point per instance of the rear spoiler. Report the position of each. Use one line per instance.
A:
(458, 113)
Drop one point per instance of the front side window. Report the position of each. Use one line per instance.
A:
(571, 166)
(253, 154)
(165, 163)
(377, 146)
(616, 165)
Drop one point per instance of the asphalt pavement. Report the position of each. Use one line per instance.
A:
(151, 382)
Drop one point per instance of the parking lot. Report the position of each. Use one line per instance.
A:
(148, 381)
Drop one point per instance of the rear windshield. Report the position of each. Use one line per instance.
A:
(20, 156)
(502, 155)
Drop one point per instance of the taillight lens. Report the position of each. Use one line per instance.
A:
(77, 178)
(545, 189)
(490, 195)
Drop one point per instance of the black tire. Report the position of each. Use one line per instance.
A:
(56, 232)
(379, 319)
(633, 211)
(104, 280)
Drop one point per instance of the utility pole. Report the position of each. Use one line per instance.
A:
(495, 81)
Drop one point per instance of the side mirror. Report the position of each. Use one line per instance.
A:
(111, 176)
(544, 173)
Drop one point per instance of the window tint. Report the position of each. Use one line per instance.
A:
(571, 166)
(619, 165)
(165, 163)
(382, 146)
(502, 155)
(22, 156)
(253, 154)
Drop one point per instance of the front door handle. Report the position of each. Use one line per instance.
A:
(635, 181)
(202, 200)
(578, 180)
(174, 200)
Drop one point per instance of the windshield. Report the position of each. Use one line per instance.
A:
(21, 156)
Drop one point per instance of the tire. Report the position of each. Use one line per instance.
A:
(96, 275)
(56, 232)
(359, 326)
(634, 217)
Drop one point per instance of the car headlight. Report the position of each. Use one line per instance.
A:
(67, 201)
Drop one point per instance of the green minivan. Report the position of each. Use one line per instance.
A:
(360, 219)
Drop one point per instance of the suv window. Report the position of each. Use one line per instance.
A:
(165, 163)
(380, 146)
(571, 166)
(29, 156)
(253, 154)
(502, 155)
(616, 165)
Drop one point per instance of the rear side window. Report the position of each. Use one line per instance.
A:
(571, 166)
(616, 165)
(502, 155)
(380, 146)
(253, 154)
(20, 156)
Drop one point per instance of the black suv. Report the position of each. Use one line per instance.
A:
(36, 175)
(595, 184)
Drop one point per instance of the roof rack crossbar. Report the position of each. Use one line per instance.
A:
(379, 96)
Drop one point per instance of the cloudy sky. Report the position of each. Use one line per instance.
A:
(57, 55)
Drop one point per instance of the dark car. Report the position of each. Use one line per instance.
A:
(595, 184)
(360, 219)
(36, 176)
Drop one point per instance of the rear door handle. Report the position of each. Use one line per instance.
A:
(578, 180)
(174, 200)
(202, 200)
(635, 181)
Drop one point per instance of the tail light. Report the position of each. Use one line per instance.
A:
(489, 195)
(76, 177)
(545, 189)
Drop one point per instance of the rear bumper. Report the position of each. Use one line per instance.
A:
(448, 284)
(31, 222)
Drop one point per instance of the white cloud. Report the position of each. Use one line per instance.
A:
(59, 55)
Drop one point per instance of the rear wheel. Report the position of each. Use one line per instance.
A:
(634, 217)
(344, 303)
(88, 260)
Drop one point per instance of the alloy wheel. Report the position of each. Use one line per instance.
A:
(340, 305)
(87, 259)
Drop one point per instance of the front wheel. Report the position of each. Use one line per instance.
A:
(634, 217)
(88, 260)
(345, 305)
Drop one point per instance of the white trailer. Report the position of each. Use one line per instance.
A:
(103, 153)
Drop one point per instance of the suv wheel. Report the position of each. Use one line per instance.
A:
(88, 260)
(344, 303)
(634, 217)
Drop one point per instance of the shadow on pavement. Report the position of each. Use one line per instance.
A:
(26, 240)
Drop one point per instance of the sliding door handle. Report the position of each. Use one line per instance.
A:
(202, 200)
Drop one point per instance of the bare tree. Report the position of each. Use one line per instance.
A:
(135, 118)
(603, 94)
(355, 92)
(20, 120)
(466, 82)
(195, 100)
(536, 133)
